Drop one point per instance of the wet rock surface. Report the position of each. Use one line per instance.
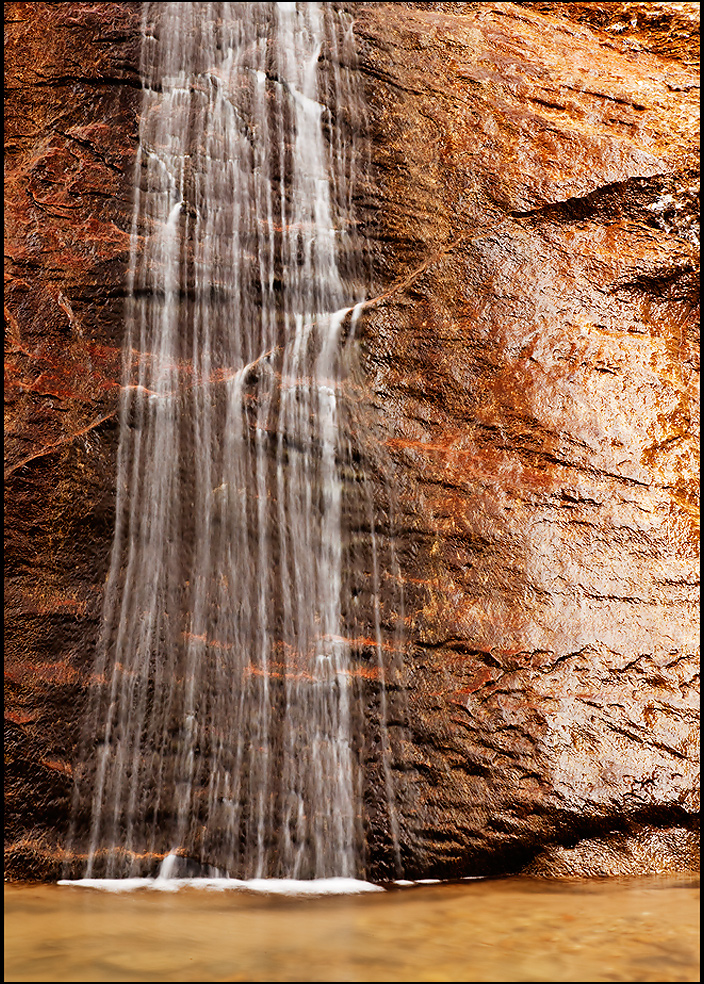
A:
(528, 364)
(71, 96)
(534, 354)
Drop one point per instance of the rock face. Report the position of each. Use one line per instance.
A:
(528, 364)
(72, 91)
(533, 353)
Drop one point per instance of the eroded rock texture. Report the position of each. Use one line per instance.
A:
(72, 91)
(534, 354)
(528, 363)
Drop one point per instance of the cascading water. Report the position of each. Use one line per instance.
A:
(227, 716)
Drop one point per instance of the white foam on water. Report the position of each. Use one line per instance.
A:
(406, 883)
(264, 886)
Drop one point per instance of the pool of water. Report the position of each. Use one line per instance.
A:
(506, 930)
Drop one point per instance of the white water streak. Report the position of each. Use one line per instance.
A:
(226, 705)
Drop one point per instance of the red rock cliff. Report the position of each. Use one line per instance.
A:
(72, 92)
(534, 358)
(529, 360)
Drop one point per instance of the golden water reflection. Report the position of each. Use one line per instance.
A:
(506, 930)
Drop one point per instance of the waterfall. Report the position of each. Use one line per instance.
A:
(227, 709)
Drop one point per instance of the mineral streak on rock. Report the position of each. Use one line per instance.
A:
(528, 365)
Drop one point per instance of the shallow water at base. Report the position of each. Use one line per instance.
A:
(506, 930)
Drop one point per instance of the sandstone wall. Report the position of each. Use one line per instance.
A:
(71, 98)
(528, 363)
(533, 353)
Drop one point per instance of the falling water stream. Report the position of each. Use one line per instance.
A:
(227, 712)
